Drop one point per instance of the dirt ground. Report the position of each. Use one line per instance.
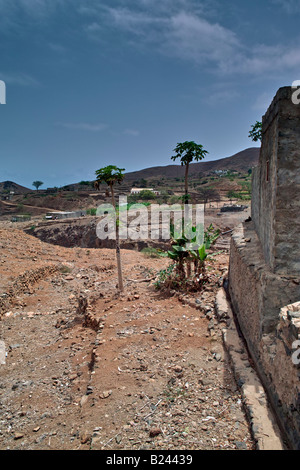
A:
(86, 368)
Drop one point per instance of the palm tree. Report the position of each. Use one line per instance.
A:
(111, 175)
(188, 152)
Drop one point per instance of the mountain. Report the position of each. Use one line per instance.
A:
(7, 186)
(240, 162)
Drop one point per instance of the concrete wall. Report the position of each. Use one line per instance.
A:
(276, 185)
(264, 268)
(258, 297)
(257, 294)
(279, 359)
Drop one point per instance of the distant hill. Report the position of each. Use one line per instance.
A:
(240, 162)
(7, 186)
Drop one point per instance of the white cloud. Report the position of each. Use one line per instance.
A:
(83, 126)
(191, 37)
(194, 38)
(266, 60)
(131, 21)
(34, 8)
(180, 29)
(219, 97)
(95, 127)
(290, 6)
(93, 27)
(21, 79)
(131, 132)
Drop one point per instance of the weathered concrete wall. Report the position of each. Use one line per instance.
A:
(276, 186)
(279, 358)
(264, 270)
(257, 294)
(257, 297)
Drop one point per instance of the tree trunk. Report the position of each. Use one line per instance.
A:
(118, 252)
(188, 268)
(186, 186)
(186, 201)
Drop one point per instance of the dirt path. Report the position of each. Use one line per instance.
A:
(86, 369)
(14, 205)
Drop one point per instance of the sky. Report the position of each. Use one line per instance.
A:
(91, 83)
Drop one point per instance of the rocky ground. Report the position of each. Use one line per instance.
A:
(88, 369)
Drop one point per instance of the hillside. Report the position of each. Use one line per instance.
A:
(240, 162)
(7, 186)
(81, 371)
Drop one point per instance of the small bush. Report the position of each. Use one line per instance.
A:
(152, 252)
(91, 211)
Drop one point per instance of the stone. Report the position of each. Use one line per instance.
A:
(241, 445)
(85, 437)
(73, 377)
(105, 394)
(155, 432)
(218, 357)
(84, 400)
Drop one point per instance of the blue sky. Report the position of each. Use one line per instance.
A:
(97, 82)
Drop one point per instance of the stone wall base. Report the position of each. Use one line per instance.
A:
(264, 305)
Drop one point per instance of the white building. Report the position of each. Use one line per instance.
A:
(138, 190)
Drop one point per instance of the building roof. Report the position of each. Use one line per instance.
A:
(142, 189)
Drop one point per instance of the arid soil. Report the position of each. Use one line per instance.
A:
(86, 368)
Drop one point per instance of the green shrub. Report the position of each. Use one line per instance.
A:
(91, 211)
(152, 252)
(180, 274)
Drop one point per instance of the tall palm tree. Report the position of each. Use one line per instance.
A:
(111, 175)
(188, 152)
